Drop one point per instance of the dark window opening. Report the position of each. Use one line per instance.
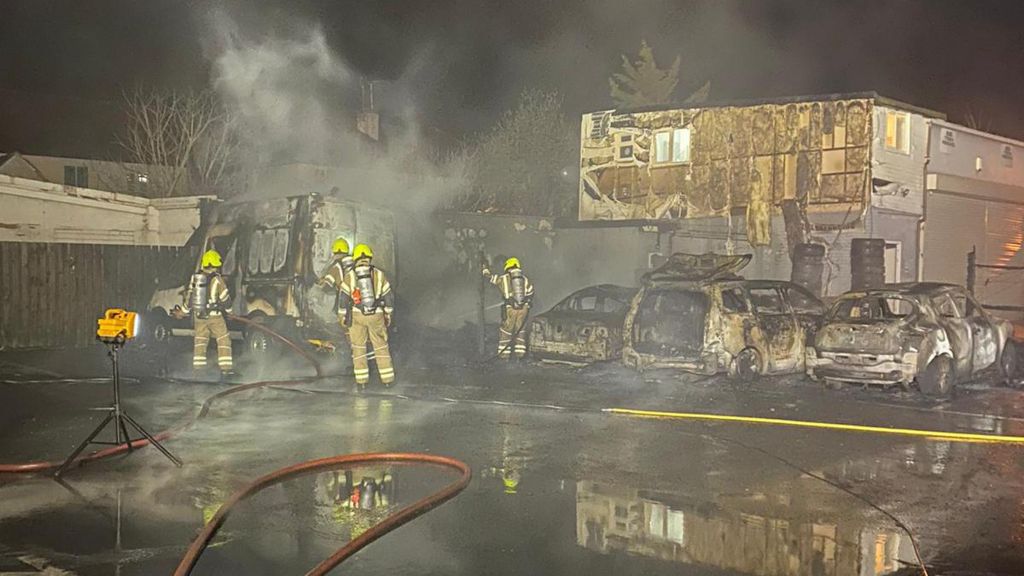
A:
(873, 309)
(670, 323)
(803, 301)
(767, 301)
(76, 176)
(734, 301)
(586, 303)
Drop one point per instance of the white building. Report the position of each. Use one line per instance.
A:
(718, 177)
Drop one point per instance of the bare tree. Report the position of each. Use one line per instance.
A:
(187, 140)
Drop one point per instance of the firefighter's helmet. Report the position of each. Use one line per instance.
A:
(340, 246)
(510, 480)
(512, 263)
(211, 259)
(362, 251)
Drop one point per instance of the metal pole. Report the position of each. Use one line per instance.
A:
(480, 313)
(971, 265)
(120, 434)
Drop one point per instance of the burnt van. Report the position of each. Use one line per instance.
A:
(273, 251)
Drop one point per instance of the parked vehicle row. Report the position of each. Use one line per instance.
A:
(695, 313)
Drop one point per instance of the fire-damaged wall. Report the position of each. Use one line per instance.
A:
(701, 162)
(558, 261)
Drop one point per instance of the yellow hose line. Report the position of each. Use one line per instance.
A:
(933, 434)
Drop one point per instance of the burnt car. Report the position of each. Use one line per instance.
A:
(696, 314)
(584, 327)
(929, 333)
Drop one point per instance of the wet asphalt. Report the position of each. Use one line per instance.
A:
(559, 486)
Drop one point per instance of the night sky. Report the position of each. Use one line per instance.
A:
(64, 64)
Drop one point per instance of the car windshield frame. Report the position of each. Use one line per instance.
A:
(876, 314)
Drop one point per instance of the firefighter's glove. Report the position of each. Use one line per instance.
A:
(486, 273)
(178, 313)
(387, 317)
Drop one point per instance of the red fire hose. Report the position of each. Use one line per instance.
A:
(393, 521)
(295, 347)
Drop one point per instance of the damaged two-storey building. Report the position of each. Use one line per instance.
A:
(833, 191)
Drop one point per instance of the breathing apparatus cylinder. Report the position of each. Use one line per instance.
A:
(518, 282)
(347, 263)
(200, 302)
(363, 296)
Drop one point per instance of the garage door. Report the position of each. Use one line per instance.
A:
(955, 225)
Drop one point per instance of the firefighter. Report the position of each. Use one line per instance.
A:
(366, 310)
(342, 264)
(336, 274)
(206, 299)
(517, 293)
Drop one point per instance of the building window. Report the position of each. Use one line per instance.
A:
(76, 176)
(672, 146)
(897, 131)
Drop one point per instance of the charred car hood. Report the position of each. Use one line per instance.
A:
(873, 337)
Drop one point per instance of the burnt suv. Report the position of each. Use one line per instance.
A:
(696, 314)
(929, 333)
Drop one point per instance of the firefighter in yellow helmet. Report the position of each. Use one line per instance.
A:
(207, 299)
(367, 308)
(336, 272)
(517, 293)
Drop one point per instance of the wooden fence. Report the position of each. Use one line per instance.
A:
(52, 294)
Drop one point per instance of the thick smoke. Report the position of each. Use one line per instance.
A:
(298, 102)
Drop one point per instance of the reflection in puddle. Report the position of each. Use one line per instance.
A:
(352, 501)
(756, 534)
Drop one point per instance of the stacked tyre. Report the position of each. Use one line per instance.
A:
(867, 263)
(808, 266)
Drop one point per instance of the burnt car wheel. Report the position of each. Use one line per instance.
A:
(1008, 363)
(937, 378)
(746, 365)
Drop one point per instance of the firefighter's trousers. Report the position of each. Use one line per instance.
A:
(214, 327)
(370, 327)
(513, 325)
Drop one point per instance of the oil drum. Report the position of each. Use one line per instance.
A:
(808, 266)
(867, 263)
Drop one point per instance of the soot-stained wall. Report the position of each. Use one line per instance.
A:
(700, 162)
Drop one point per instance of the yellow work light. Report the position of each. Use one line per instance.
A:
(117, 326)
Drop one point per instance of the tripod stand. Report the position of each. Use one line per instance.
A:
(118, 416)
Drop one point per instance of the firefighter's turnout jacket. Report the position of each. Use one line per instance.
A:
(367, 304)
(336, 271)
(517, 300)
(333, 277)
(208, 318)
